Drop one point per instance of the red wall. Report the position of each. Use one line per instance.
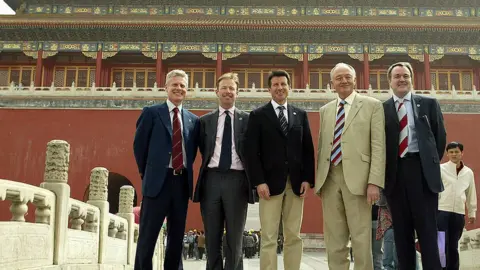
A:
(104, 138)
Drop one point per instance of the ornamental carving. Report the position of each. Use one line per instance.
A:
(152, 55)
(57, 162)
(297, 56)
(167, 55)
(375, 56)
(418, 57)
(212, 56)
(92, 55)
(98, 185)
(226, 56)
(357, 56)
(314, 56)
(106, 55)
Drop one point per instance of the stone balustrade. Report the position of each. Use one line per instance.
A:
(68, 233)
(209, 93)
(469, 249)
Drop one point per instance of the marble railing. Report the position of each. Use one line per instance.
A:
(209, 93)
(68, 233)
(469, 249)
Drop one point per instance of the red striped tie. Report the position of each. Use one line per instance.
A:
(403, 137)
(177, 154)
(336, 155)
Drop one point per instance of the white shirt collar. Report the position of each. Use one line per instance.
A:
(222, 110)
(408, 97)
(349, 100)
(276, 105)
(171, 106)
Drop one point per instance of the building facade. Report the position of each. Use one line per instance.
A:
(129, 46)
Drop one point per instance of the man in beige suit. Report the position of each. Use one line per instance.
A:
(350, 169)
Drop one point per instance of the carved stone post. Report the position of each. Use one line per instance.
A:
(125, 207)
(55, 179)
(98, 196)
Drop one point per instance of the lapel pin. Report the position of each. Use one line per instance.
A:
(418, 105)
(294, 113)
(240, 119)
(190, 120)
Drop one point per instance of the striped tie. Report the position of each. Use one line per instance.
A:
(283, 120)
(403, 138)
(336, 156)
(177, 153)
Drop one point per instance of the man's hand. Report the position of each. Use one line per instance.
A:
(263, 191)
(471, 220)
(373, 194)
(303, 189)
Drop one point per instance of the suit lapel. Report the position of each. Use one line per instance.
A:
(392, 111)
(165, 117)
(187, 122)
(416, 105)
(212, 130)
(291, 116)
(237, 127)
(273, 116)
(330, 117)
(355, 107)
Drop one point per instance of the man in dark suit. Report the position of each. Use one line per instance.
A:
(165, 147)
(223, 189)
(415, 139)
(280, 158)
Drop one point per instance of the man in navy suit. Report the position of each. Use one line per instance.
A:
(165, 147)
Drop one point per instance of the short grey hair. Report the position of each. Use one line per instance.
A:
(339, 65)
(177, 73)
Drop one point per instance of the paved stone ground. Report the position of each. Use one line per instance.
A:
(310, 261)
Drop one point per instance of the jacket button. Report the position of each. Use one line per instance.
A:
(328, 159)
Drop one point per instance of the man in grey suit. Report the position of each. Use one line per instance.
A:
(223, 189)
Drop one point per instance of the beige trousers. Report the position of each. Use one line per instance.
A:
(288, 207)
(346, 215)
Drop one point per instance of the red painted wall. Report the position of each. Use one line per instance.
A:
(104, 138)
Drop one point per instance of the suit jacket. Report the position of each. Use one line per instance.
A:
(152, 146)
(432, 139)
(207, 138)
(362, 142)
(272, 156)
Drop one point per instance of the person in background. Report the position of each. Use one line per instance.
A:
(459, 183)
(377, 252)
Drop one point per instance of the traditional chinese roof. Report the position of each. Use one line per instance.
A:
(202, 28)
(259, 3)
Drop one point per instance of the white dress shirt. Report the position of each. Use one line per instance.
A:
(277, 110)
(171, 106)
(412, 133)
(348, 104)
(215, 160)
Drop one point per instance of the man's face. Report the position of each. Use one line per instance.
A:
(227, 93)
(344, 81)
(279, 89)
(401, 81)
(455, 155)
(176, 88)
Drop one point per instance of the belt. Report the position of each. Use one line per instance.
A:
(177, 172)
(411, 155)
(216, 169)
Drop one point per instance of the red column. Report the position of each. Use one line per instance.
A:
(476, 78)
(305, 70)
(38, 69)
(98, 70)
(426, 64)
(366, 71)
(219, 65)
(158, 66)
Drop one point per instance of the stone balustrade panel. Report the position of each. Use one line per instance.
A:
(24, 244)
(206, 93)
(469, 250)
(83, 235)
(117, 244)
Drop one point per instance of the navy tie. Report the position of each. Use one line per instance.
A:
(226, 152)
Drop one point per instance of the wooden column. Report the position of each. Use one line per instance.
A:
(366, 71)
(426, 75)
(305, 70)
(476, 78)
(98, 70)
(219, 65)
(158, 67)
(38, 69)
